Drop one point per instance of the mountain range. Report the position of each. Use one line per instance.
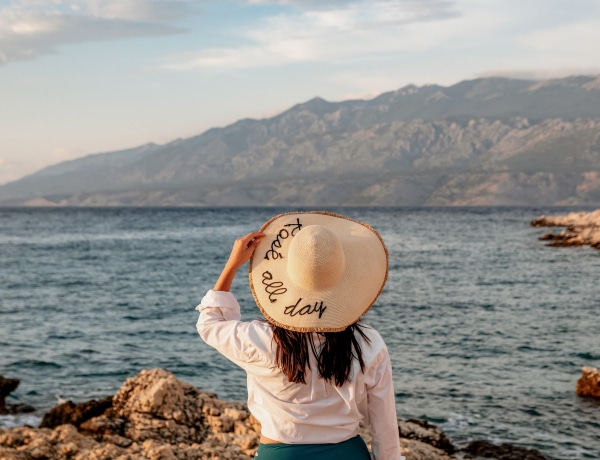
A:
(489, 141)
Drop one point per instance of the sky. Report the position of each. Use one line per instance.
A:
(87, 76)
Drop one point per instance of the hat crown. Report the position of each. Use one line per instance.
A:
(316, 258)
(317, 271)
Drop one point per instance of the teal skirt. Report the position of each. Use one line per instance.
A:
(352, 449)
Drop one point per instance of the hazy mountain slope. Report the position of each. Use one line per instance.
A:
(492, 140)
(91, 173)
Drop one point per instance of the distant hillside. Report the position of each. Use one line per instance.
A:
(491, 141)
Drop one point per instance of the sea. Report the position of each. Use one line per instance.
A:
(487, 327)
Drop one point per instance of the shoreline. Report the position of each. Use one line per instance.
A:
(155, 416)
(582, 229)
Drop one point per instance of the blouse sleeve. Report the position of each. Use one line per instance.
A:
(247, 344)
(381, 405)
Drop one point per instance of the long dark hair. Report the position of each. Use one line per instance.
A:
(334, 358)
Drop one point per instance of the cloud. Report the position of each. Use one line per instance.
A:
(441, 6)
(573, 39)
(139, 10)
(31, 28)
(369, 84)
(325, 34)
(541, 74)
(554, 52)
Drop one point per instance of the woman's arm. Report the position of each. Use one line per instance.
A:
(382, 413)
(220, 325)
(242, 250)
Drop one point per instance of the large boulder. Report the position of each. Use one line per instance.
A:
(589, 383)
(155, 405)
(155, 409)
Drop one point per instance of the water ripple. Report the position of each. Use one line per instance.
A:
(487, 328)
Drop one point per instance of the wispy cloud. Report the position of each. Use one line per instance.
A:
(556, 52)
(335, 31)
(573, 39)
(541, 74)
(441, 6)
(30, 28)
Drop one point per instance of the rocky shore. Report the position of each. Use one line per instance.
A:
(582, 228)
(155, 416)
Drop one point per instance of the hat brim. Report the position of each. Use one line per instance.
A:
(328, 310)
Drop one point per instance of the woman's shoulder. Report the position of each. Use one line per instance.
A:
(374, 344)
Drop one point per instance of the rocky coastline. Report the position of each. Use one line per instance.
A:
(155, 416)
(582, 229)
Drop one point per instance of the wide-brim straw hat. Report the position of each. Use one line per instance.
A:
(317, 271)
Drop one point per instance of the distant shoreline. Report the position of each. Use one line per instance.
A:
(574, 208)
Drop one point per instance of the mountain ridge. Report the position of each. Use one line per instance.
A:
(492, 135)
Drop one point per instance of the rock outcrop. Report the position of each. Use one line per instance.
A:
(7, 386)
(425, 432)
(589, 383)
(155, 416)
(583, 228)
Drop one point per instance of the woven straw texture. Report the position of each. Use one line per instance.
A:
(324, 288)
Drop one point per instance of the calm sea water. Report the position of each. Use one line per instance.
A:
(487, 327)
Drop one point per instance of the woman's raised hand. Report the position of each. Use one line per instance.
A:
(243, 248)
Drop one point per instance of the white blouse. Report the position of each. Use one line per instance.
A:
(317, 412)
